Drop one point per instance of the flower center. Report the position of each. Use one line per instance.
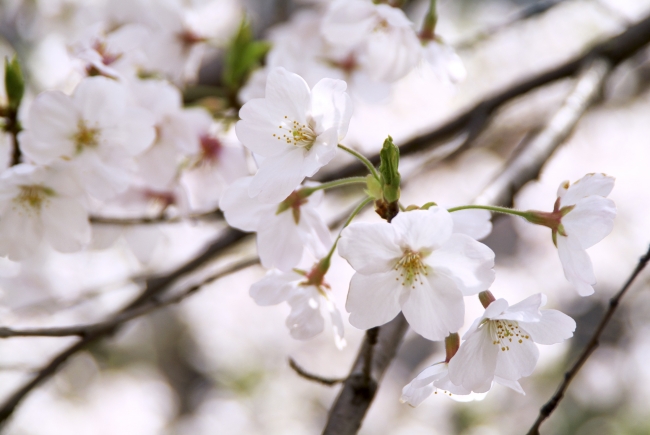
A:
(503, 332)
(33, 196)
(85, 137)
(411, 268)
(296, 134)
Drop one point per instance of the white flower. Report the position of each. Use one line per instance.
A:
(307, 298)
(283, 230)
(587, 216)
(36, 204)
(295, 129)
(500, 345)
(414, 264)
(95, 131)
(381, 35)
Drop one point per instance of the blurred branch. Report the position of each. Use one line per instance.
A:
(535, 9)
(316, 378)
(550, 406)
(355, 398)
(161, 219)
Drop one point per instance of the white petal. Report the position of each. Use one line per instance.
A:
(510, 384)
(259, 122)
(554, 327)
(590, 221)
(240, 210)
(468, 262)
(474, 364)
(331, 106)
(279, 242)
(274, 288)
(21, 232)
(288, 94)
(373, 300)
(423, 230)
(413, 395)
(590, 184)
(526, 310)
(337, 324)
(305, 319)
(65, 224)
(459, 394)
(314, 231)
(101, 101)
(434, 308)
(475, 223)
(518, 360)
(370, 247)
(577, 265)
(278, 176)
(138, 130)
(430, 374)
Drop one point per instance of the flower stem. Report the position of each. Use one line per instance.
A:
(505, 210)
(306, 191)
(430, 20)
(363, 160)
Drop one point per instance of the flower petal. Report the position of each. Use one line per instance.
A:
(434, 307)
(65, 223)
(590, 221)
(514, 385)
(278, 176)
(370, 247)
(305, 319)
(526, 310)
(468, 262)
(590, 184)
(240, 210)
(577, 265)
(554, 327)
(517, 360)
(474, 223)
(474, 364)
(274, 288)
(423, 230)
(413, 395)
(279, 242)
(373, 300)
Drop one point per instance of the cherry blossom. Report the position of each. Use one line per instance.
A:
(94, 133)
(427, 382)
(500, 345)
(38, 204)
(307, 298)
(283, 230)
(417, 265)
(582, 216)
(296, 131)
(382, 37)
(443, 61)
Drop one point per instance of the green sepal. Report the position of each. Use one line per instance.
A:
(388, 170)
(428, 205)
(373, 187)
(14, 83)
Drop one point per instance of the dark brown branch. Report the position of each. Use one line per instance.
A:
(355, 398)
(161, 219)
(312, 377)
(550, 406)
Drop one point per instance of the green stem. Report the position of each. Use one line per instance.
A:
(505, 210)
(306, 191)
(363, 160)
(354, 213)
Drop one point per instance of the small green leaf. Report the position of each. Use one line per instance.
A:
(244, 55)
(14, 83)
(373, 187)
(388, 169)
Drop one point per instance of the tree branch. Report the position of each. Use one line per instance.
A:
(550, 406)
(355, 398)
(312, 377)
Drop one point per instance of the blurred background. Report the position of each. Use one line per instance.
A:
(218, 364)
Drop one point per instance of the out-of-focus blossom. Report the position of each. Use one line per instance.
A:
(283, 230)
(381, 36)
(500, 345)
(94, 133)
(296, 131)
(444, 61)
(38, 204)
(307, 300)
(417, 265)
(434, 377)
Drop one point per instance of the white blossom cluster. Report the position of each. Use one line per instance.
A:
(123, 132)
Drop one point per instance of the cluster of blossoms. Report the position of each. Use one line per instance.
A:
(123, 133)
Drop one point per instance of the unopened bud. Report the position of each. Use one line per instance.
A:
(452, 343)
(486, 297)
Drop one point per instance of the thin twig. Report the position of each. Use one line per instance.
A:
(550, 406)
(161, 219)
(349, 409)
(312, 377)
